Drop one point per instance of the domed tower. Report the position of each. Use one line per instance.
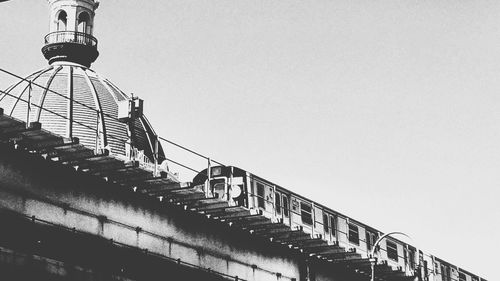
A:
(71, 27)
(71, 100)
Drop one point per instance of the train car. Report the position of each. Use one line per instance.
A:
(228, 183)
(464, 275)
(280, 205)
(445, 271)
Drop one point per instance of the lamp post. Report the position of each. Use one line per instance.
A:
(373, 260)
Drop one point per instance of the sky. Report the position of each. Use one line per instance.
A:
(387, 111)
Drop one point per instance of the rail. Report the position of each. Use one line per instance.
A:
(178, 261)
(361, 246)
(82, 38)
(190, 164)
(71, 37)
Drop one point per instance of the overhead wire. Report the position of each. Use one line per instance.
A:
(124, 140)
(104, 114)
(88, 127)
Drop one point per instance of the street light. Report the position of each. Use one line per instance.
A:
(373, 260)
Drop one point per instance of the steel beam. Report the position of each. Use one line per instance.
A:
(323, 250)
(308, 243)
(160, 188)
(272, 229)
(209, 206)
(176, 197)
(215, 212)
(342, 255)
(237, 216)
(77, 156)
(263, 224)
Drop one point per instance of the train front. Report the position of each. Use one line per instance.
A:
(224, 182)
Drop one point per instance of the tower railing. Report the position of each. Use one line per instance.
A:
(71, 37)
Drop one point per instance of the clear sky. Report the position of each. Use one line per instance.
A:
(388, 111)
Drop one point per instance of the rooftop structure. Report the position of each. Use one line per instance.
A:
(72, 100)
(71, 28)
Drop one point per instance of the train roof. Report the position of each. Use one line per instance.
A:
(238, 172)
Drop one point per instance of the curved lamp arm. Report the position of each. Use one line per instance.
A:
(372, 252)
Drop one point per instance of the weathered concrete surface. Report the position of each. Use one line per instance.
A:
(35, 187)
(31, 186)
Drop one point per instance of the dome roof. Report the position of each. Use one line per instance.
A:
(91, 116)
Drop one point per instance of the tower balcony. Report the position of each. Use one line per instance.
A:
(70, 46)
(71, 37)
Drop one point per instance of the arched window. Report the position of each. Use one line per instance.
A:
(83, 23)
(62, 20)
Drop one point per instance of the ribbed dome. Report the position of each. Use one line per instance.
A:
(93, 110)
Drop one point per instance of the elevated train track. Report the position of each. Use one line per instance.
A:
(130, 175)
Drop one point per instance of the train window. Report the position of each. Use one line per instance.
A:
(461, 277)
(218, 187)
(260, 196)
(426, 270)
(370, 239)
(353, 234)
(318, 215)
(295, 205)
(305, 213)
(333, 224)
(277, 203)
(215, 171)
(392, 250)
(411, 254)
(445, 272)
(285, 206)
(325, 223)
(448, 273)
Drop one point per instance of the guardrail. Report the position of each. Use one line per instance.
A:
(179, 158)
(71, 37)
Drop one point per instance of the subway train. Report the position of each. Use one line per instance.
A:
(280, 205)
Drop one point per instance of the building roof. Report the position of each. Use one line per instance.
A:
(93, 112)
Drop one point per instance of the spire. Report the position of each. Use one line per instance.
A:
(71, 27)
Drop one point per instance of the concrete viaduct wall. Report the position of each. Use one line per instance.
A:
(32, 186)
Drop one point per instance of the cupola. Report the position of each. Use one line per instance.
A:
(71, 32)
(71, 100)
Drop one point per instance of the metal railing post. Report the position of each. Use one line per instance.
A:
(28, 112)
(156, 156)
(313, 216)
(229, 186)
(207, 188)
(97, 135)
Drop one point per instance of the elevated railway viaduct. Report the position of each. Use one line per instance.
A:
(65, 216)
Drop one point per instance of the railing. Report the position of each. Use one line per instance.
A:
(119, 245)
(71, 37)
(192, 159)
(186, 162)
